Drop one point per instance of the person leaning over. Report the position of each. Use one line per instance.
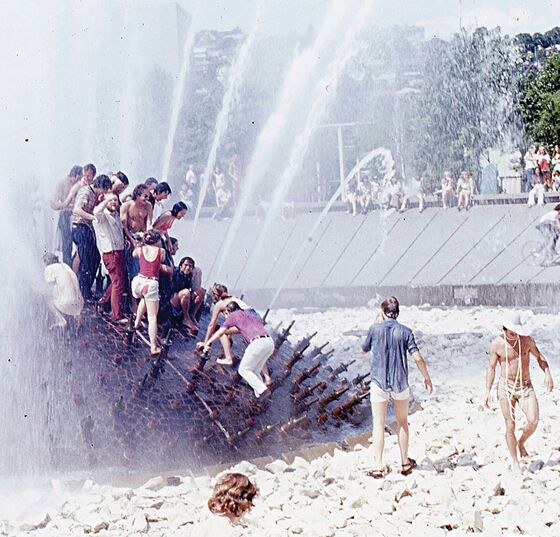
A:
(389, 341)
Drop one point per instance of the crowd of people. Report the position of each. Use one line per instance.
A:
(130, 235)
(542, 173)
(366, 194)
(225, 187)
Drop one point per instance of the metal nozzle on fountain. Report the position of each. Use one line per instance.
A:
(340, 369)
(297, 355)
(283, 336)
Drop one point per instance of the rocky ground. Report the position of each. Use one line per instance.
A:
(463, 483)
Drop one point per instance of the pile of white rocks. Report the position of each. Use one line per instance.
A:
(463, 484)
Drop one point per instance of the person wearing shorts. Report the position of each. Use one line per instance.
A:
(145, 286)
(389, 342)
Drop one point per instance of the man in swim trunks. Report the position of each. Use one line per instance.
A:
(512, 349)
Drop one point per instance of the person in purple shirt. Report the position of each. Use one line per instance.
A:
(259, 349)
(389, 342)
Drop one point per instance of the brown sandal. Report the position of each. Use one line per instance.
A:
(376, 474)
(407, 468)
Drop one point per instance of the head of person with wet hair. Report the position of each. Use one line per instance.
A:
(232, 306)
(89, 172)
(101, 184)
(162, 191)
(219, 291)
(76, 172)
(390, 307)
(119, 182)
(179, 210)
(152, 236)
(151, 183)
(233, 496)
(140, 191)
(50, 259)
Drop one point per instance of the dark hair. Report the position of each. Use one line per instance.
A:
(76, 171)
(188, 260)
(102, 182)
(557, 207)
(178, 207)
(390, 307)
(50, 259)
(152, 236)
(173, 240)
(162, 187)
(91, 168)
(232, 306)
(232, 496)
(122, 177)
(151, 181)
(138, 191)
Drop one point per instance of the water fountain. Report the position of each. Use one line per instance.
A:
(286, 121)
(236, 75)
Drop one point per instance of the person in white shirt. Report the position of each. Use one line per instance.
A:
(110, 242)
(549, 227)
(530, 164)
(161, 193)
(64, 297)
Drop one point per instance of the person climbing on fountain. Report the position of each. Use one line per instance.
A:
(64, 204)
(145, 286)
(166, 220)
(83, 234)
(136, 218)
(389, 341)
(221, 298)
(64, 297)
(512, 349)
(259, 349)
(182, 295)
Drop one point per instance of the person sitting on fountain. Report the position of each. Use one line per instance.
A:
(182, 296)
(513, 349)
(166, 220)
(145, 286)
(259, 349)
(64, 297)
(465, 190)
(231, 499)
(160, 194)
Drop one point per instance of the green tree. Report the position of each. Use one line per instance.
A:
(540, 104)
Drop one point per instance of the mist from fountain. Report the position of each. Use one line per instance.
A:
(236, 76)
(66, 97)
(178, 97)
(320, 99)
(305, 69)
(308, 240)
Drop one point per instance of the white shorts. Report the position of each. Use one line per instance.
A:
(146, 288)
(377, 395)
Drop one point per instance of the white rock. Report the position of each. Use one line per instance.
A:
(139, 523)
(155, 483)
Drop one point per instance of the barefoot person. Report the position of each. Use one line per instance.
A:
(145, 286)
(389, 341)
(259, 349)
(512, 349)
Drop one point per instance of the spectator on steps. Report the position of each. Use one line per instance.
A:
(537, 189)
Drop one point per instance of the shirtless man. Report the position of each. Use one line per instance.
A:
(62, 203)
(136, 217)
(512, 349)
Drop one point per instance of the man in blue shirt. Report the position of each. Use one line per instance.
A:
(389, 342)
